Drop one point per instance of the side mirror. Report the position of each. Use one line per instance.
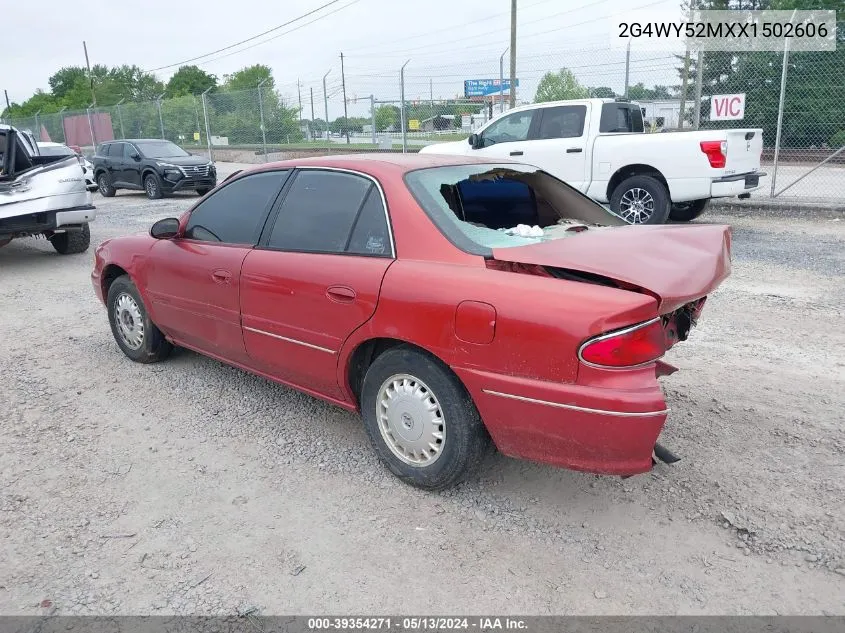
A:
(165, 229)
(474, 141)
(136, 156)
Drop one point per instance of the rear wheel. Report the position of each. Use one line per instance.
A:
(135, 334)
(72, 242)
(641, 200)
(687, 211)
(104, 186)
(152, 187)
(421, 420)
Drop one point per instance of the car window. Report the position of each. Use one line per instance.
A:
(370, 235)
(128, 150)
(620, 117)
(511, 128)
(562, 122)
(235, 213)
(319, 212)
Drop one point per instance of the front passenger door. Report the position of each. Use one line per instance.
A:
(194, 282)
(131, 168)
(507, 137)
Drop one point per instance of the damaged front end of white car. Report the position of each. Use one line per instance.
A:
(42, 195)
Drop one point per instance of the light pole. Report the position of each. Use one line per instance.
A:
(160, 118)
(502, 80)
(326, 104)
(207, 126)
(402, 105)
(62, 121)
(120, 117)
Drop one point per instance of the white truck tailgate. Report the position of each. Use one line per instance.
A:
(744, 149)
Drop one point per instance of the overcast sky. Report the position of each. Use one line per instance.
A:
(447, 41)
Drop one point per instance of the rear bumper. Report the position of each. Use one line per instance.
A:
(735, 184)
(600, 430)
(35, 223)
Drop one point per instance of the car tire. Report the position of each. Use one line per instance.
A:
(202, 191)
(688, 211)
(152, 187)
(641, 200)
(105, 187)
(135, 334)
(72, 242)
(405, 387)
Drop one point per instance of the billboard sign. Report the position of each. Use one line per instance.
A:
(486, 87)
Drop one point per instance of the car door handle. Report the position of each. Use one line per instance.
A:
(341, 294)
(221, 276)
(517, 153)
(574, 150)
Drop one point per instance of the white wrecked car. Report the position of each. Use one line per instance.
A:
(42, 195)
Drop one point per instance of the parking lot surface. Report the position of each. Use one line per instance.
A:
(192, 487)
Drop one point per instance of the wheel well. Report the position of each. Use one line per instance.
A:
(110, 273)
(146, 172)
(366, 353)
(634, 170)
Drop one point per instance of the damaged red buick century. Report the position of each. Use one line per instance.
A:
(456, 304)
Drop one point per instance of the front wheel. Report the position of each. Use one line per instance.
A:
(152, 187)
(420, 419)
(72, 242)
(135, 334)
(687, 211)
(641, 200)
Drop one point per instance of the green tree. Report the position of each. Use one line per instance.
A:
(189, 80)
(387, 116)
(559, 86)
(65, 79)
(638, 92)
(249, 77)
(602, 92)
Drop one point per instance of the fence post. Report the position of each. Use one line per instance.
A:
(37, 127)
(699, 75)
(62, 121)
(373, 116)
(502, 81)
(120, 117)
(402, 106)
(207, 127)
(261, 114)
(91, 126)
(160, 119)
(780, 109)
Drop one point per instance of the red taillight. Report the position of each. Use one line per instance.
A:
(631, 346)
(716, 151)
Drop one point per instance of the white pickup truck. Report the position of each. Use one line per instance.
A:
(599, 147)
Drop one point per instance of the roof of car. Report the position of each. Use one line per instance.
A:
(404, 162)
(137, 140)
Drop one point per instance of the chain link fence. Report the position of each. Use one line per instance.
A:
(391, 107)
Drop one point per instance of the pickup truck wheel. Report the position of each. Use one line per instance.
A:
(686, 211)
(135, 334)
(152, 187)
(641, 200)
(105, 187)
(72, 242)
(421, 420)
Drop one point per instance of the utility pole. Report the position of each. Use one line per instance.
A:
(502, 81)
(343, 83)
(627, 66)
(299, 94)
(513, 55)
(402, 106)
(698, 81)
(310, 127)
(90, 76)
(326, 103)
(8, 105)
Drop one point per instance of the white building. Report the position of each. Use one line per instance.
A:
(664, 113)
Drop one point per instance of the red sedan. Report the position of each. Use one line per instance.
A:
(453, 302)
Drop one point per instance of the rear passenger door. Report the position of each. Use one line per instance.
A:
(315, 276)
(558, 144)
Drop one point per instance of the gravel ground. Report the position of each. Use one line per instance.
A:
(191, 487)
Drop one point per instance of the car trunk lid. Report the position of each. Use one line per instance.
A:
(675, 264)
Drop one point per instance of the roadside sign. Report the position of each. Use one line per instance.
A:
(196, 136)
(727, 107)
(486, 87)
(414, 124)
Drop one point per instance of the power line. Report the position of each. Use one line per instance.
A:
(249, 39)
